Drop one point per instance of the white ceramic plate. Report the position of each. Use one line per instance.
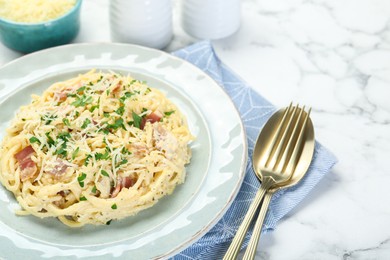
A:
(214, 175)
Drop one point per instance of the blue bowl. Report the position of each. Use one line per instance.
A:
(29, 37)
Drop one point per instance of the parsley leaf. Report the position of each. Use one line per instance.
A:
(118, 123)
(66, 121)
(120, 110)
(81, 179)
(81, 90)
(50, 140)
(124, 161)
(125, 96)
(86, 123)
(82, 101)
(101, 156)
(89, 156)
(104, 173)
(34, 140)
(62, 150)
(136, 120)
(75, 152)
(48, 118)
(64, 136)
(168, 113)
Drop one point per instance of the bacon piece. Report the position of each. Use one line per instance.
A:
(25, 153)
(125, 182)
(152, 118)
(62, 96)
(117, 86)
(116, 190)
(27, 165)
(128, 182)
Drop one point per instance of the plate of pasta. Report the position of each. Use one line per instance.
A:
(108, 150)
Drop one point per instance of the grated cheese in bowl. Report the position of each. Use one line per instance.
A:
(34, 11)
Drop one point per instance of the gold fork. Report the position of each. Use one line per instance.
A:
(282, 141)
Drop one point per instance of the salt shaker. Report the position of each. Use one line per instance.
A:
(210, 19)
(143, 22)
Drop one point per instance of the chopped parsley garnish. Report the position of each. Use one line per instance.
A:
(82, 101)
(93, 108)
(62, 150)
(104, 173)
(136, 120)
(125, 96)
(120, 110)
(93, 189)
(34, 140)
(50, 140)
(64, 136)
(101, 156)
(114, 206)
(106, 114)
(66, 121)
(75, 152)
(124, 161)
(168, 113)
(86, 123)
(48, 118)
(82, 198)
(118, 123)
(89, 156)
(81, 90)
(81, 179)
(125, 151)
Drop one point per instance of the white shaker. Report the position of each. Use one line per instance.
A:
(210, 19)
(143, 22)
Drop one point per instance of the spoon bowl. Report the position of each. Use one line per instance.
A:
(263, 145)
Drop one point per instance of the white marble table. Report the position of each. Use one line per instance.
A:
(333, 55)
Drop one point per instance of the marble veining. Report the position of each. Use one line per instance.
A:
(334, 56)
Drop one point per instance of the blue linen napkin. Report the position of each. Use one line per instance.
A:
(254, 111)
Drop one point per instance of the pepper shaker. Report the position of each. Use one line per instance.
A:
(210, 19)
(143, 22)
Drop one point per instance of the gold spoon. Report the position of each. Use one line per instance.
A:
(301, 162)
(282, 154)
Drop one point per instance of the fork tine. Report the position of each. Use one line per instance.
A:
(279, 139)
(289, 148)
(275, 138)
(298, 145)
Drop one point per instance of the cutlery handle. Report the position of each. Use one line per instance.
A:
(235, 246)
(251, 249)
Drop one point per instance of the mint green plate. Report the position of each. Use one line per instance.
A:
(214, 175)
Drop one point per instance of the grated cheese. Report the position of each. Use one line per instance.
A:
(34, 11)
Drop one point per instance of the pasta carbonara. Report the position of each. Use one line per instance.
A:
(94, 148)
